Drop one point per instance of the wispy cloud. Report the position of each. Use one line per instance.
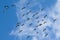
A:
(34, 26)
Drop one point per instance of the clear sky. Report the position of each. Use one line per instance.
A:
(8, 19)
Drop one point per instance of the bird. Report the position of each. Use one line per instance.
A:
(22, 25)
(34, 28)
(45, 16)
(28, 3)
(20, 31)
(35, 14)
(6, 6)
(28, 12)
(23, 15)
(30, 24)
(37, 17)
(46, 34)
(18, 24)
(28, 18)
(13, 5)
(23, 8)
(44, 29)
(40, 24)
(42, 9)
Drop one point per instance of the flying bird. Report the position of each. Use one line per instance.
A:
(6, 6)
(23, 8)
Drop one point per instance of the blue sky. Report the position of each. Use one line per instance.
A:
(28, 27)
(10, 16)
(8, 19)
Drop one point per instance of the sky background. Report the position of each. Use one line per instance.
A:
(28, 30)
(8, 19)
(10, 16)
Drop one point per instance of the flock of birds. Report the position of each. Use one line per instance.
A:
(33, 23)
